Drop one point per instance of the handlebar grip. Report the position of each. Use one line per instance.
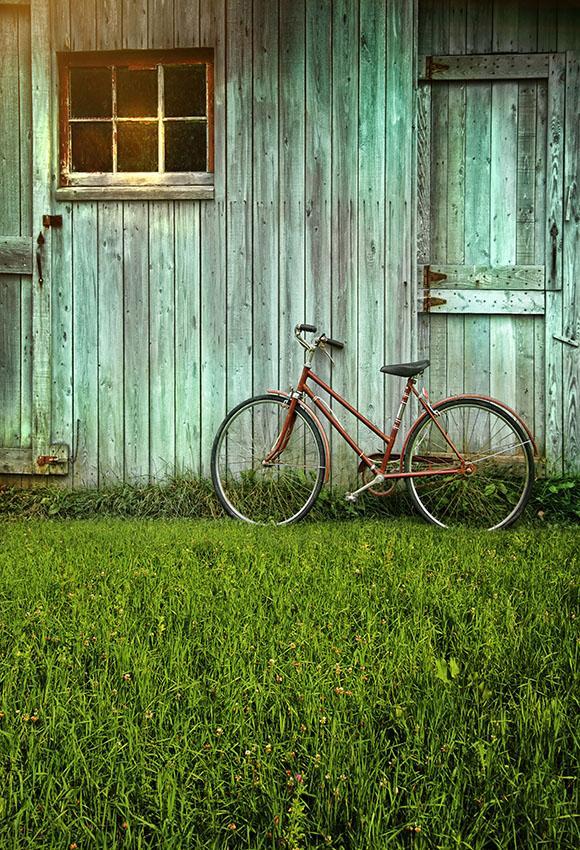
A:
(334, 342)
(311, 329)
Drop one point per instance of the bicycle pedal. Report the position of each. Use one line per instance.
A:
(350, 497)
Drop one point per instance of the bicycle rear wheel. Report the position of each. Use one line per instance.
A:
(494, 495)
(279, 492)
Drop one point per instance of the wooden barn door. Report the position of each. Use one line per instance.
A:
(25, 381)
(490, 158)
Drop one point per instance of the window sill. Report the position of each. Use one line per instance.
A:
(135, 193)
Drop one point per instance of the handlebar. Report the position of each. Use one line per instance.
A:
(321, 340)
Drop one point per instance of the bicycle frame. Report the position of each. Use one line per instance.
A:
(296, 397)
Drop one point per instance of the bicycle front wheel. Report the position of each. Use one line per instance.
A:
(253, 489)
(498, 450)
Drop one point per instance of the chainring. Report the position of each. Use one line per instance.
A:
(366, 474)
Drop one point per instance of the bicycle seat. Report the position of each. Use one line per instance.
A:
(406, 370)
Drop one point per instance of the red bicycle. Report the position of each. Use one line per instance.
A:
(468, 459)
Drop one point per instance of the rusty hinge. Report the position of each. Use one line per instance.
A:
(433, 67)
(44, 460)
(429, 302)
(51, 220)
(430, 277)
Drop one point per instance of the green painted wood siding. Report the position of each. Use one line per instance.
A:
(166, 314)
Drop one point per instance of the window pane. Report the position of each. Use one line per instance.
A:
(185, 90)
(136, 93)
(185, 146)
(92, 146)
(137, 146)
(91, 93)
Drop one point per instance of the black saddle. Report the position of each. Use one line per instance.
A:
(406, 370)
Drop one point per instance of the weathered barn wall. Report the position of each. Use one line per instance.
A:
(488, 207)
(165, 314)
(15, 224)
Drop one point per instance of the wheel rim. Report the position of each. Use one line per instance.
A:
(281, 491)
(491, 496)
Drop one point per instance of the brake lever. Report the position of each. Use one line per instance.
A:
(323, 347)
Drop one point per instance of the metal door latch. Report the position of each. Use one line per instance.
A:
(567, 341)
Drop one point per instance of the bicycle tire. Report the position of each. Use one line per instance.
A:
(495, 494)
(282, 492)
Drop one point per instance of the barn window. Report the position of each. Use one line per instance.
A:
(136, 119)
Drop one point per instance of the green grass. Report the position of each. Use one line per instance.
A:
(359, 684)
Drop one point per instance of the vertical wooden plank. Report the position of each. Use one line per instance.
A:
(455, 196)
(540, 259)
(399, 276)
(186, 23)
(109, 14)
(134, 29)
(25, 150)
(136, 294)
(110, 343)
(136, 334)
(554, 177)
(83, 24)
(479, 27)
(527, 21)
(160, 23)
(63, 428)
(41, 194)
(213, 240)
(318, 259)
(525, 248)
(423, 206)
(265, 195)
(505, 26)
(371, 225)
(160, 34)
(111, 295)
(186, 28)
(554, 317)
(344, 217)
(503, 231)
(438, 203)
(571, 288)
(291, 175)
(241, 339)
(10, 309)
(188, 317)
(456, 226)
(85, 334)
(477, 226)
(547, 28)
(161, 341)
(83, 36)
(568, 26)
(425, 27)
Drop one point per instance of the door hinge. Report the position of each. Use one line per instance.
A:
(433, 67)
(51, 220)
(430, 277)
(429, 302)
